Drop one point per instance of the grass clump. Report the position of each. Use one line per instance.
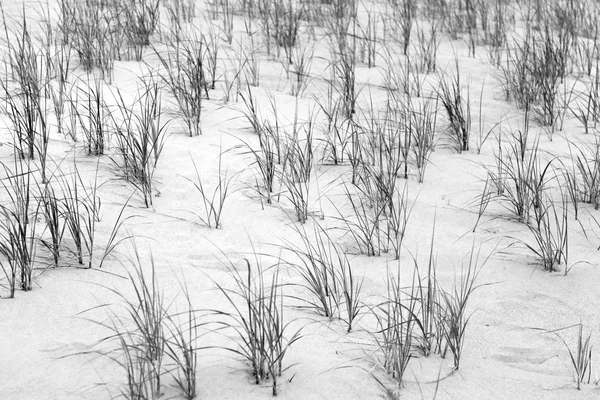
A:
(257, 318)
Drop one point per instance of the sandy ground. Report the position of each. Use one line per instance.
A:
(46, 334)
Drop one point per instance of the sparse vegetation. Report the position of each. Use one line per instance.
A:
(328, 132)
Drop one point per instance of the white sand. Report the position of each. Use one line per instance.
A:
(44, 338)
